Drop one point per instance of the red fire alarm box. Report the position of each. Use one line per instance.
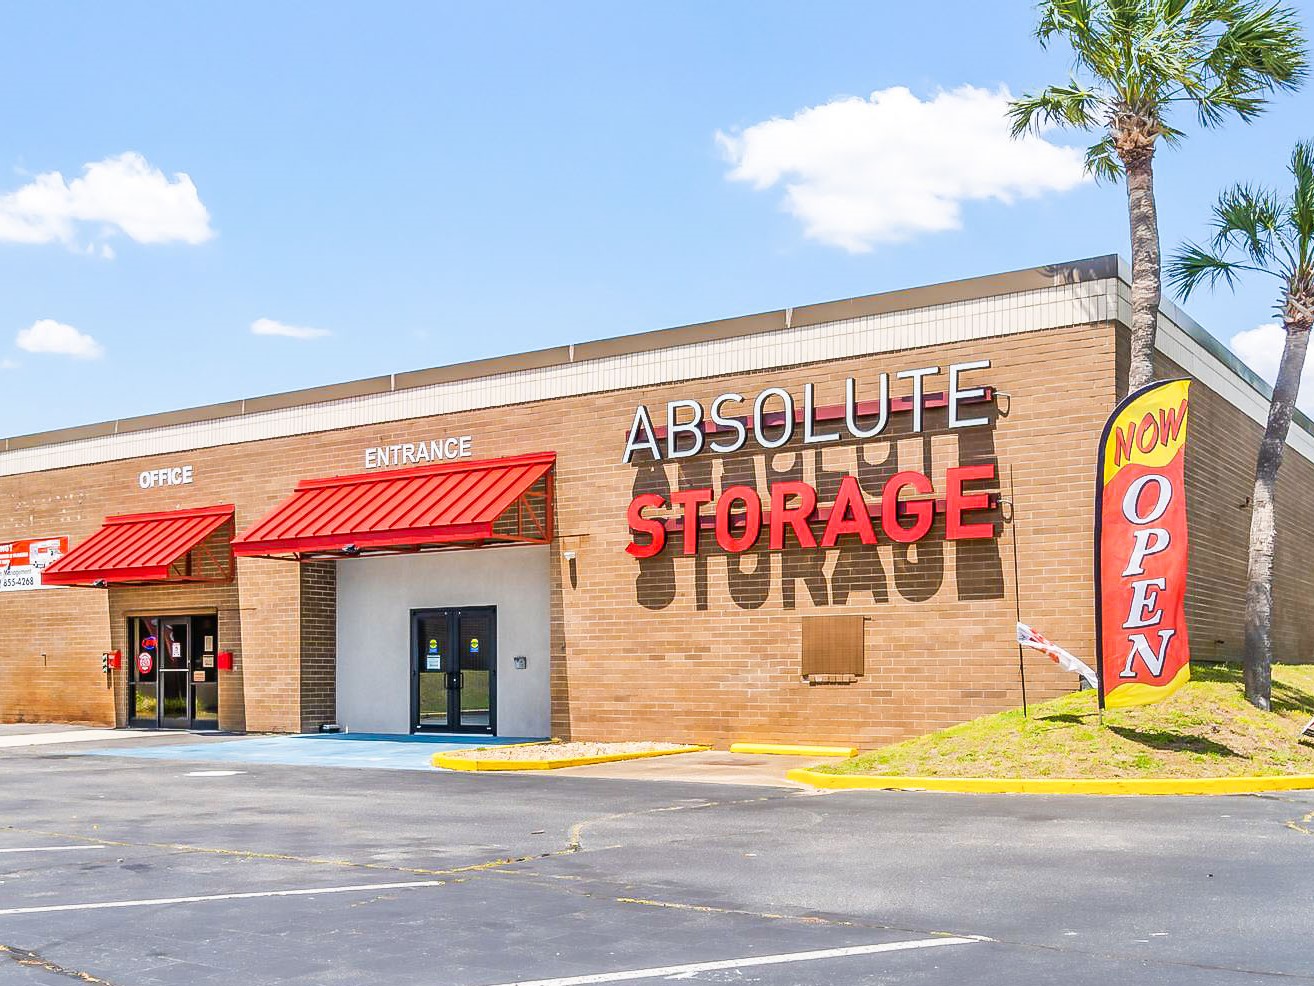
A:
(224, 660)
(116, 659)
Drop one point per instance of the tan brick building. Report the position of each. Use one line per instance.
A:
(533, 618)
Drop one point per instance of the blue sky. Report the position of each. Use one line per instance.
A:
(429, 183)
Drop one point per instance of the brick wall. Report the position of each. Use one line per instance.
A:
(318, 644)
(700, 648)
(707, 647)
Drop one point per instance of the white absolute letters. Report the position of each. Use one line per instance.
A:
(958, 394)
(918, 394)
(771, 420)
(692, 426)
(811, 437)
(734, 424)
(759, 416)
(641, 436)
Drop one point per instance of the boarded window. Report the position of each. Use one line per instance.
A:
(833, 647)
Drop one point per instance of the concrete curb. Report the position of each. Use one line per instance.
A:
(1057, 785)
(787, 750)
(449, 761)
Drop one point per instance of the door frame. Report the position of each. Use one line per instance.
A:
(189, 723)
(454, 725)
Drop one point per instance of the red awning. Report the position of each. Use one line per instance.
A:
(453, 504)
(144, 548)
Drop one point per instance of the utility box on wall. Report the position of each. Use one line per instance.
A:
(833, 649)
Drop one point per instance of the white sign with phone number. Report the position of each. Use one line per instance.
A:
(22, 562)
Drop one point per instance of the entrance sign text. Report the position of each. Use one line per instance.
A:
(417, 453)
(23, 561)
(1141, 548)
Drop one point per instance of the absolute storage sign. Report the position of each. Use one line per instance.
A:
(741, 515)
(22, 562)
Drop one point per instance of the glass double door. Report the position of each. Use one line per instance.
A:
(454, 669)
(173, 682)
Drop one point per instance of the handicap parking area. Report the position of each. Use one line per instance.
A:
(163, 869)
(364, 750)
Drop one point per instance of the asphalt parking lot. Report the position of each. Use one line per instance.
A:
(144, 871)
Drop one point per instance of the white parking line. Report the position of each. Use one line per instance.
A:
(51, 848)
(754, 960)
(251, 895)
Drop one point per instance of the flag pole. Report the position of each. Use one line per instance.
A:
(1017, 592)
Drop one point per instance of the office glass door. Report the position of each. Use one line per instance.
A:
(173, 681)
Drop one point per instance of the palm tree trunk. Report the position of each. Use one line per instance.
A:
(1146, 275)
(1263, 531)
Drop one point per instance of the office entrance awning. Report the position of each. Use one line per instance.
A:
(460, 504)
(133, 549)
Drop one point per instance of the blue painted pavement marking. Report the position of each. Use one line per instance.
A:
(315, 750)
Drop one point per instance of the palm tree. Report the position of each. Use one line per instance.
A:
(1258, 230)
(1136, 59)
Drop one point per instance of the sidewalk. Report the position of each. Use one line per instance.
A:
(19, 734)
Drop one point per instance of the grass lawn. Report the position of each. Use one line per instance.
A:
(1206, 730)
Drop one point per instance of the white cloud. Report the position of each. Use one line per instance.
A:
(8, 364)
(121, 194)
(269, 327)
(857, 172)
(45, 335)
(1261, 350)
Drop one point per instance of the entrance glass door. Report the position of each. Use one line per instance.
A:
(454, 669)
(431, 635)
(173, 682)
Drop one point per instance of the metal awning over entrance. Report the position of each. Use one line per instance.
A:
(167, 546)
(427, 508)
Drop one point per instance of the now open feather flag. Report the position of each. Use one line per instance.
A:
(1028, 637)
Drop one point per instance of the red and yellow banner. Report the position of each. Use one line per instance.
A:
(1141, 548)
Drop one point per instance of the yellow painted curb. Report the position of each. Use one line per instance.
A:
(456, 762)
(1057, 785)
(786, 750)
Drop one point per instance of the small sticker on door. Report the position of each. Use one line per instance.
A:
(175, 651)
(474, 645)
(433, 662)
(433, 647)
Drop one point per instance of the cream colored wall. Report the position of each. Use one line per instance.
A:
(375, 599)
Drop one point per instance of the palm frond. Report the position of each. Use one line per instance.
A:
(1300, 212)
(1261, 47)
(1171, 135)
(1247, 218)
(1102, 161)
(1213, 106)
(1069, 106)
(1075, 20)
(1193, 266)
